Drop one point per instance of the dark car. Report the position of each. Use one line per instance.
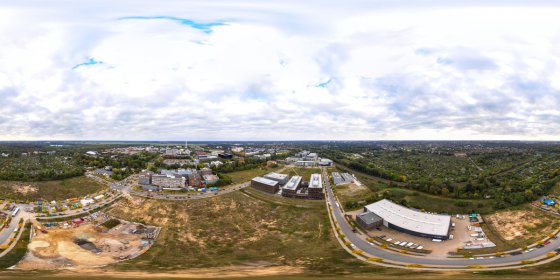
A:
(516, 253)
(540, 246)
(557, 250)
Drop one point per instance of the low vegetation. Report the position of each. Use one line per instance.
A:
(17, 253)
(111, 223)
(507, 174)
(49, 190)
(236, 229)
(39, 168)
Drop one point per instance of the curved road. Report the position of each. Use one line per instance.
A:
(537, 253)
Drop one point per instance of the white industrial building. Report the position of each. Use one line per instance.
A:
(411, 221)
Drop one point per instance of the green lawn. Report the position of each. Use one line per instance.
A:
(49, 190)
(246, 175)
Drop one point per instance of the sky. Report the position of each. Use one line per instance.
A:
(279, 70)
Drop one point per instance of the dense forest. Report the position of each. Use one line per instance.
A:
(507, 173)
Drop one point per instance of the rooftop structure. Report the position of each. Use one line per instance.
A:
(293, 183)
(411, 221)
(265, 181)
(280, 178)
(341, 179)
(315, 188)
(369, 220)
(347, 177)
(315, 181)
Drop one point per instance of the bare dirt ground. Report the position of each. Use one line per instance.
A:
(24, 189)
(59, 248)
(352, 190)
(523, 224)
(203, 273)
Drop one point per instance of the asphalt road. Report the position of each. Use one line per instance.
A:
(6, 233)
(427, 260)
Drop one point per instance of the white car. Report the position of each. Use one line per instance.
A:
(352, 246)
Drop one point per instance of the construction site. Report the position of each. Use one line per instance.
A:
(92, 241)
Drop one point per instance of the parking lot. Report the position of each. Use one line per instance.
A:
(463, 233)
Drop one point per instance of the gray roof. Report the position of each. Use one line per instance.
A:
(276, 176)
(411, 219)
(315, 181)
(265, 181)
(293, 183)
(369, 218)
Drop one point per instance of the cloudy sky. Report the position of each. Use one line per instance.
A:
(279, 70)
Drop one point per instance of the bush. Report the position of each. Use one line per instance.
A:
(111, 223)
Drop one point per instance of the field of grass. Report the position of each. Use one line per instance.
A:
(305, 173)
(237, 229)
(49, 190)
(279, 200)
(246, 175)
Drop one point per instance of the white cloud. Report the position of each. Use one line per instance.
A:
(395, 71)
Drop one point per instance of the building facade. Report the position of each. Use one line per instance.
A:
(265, 185)
(291, 188)
(315, 188)
(169, 181)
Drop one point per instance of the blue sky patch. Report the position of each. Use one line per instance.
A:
(90, 61)
(324, 84)
(205, 27)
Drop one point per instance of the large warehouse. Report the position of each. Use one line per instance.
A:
(411, 221)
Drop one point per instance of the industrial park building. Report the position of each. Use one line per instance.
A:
(315, 188)
(341, 179)
(265, 185)
(369, 220)
(291, 188)
(168, 181)
(145, 178)
(411, 221)
(280, 178)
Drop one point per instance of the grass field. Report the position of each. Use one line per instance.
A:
(202, 237)
(236, 229)
(49, 190)
(246, 175)
(305, 173)
(279, 200)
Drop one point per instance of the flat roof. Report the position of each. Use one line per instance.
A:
(315, 181)
(293, 183)
(369, 218)
(410, 219)
(265, 181)
(277, 176)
